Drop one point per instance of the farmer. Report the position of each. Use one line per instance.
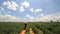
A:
(25, 25)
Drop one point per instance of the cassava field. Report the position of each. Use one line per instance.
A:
(30, 28)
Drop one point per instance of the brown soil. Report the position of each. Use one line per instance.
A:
(23, 31)
(31, 31)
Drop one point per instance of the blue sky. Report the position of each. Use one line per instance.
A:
(29, 9)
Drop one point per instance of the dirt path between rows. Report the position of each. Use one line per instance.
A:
(23, 31)
(31, 31)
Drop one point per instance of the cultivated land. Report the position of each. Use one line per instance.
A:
(31, 28)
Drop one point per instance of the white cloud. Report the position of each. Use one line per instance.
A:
(11, 5)
(25, 4)
(42, 14)
(29, 18)
(21, 8)
(38, 10)
(32, 10)
(53, 17)
(1, 8)
(35, 10)
(6, 3)
(9, 18)
(27, 15)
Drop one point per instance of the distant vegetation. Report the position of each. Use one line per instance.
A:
(16, 27)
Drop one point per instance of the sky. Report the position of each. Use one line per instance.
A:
(29, 10)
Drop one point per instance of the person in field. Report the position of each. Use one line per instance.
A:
(25, 25)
